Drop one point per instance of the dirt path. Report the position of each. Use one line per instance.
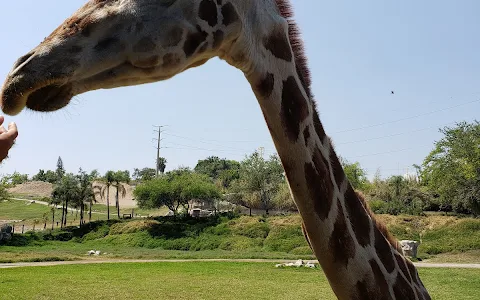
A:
(84, 262)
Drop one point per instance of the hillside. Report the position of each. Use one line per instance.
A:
(40, 189)
(229, 236)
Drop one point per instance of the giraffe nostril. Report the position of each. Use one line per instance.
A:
(23, 59)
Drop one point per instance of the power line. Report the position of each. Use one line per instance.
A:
(407, 118)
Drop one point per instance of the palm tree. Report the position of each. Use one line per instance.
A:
(108, 181)
(162, 164)
(87, 195)
(119, 177)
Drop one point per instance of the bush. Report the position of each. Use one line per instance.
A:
(98, 233)
(304, 250)
(285, 238)
(238, 243)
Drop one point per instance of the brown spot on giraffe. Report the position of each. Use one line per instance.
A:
(149, 62)
(218, 37)
(341, 243)
(278, 44)
(337, 169)
(207, 11)
(320, 188)
(145, 44)
(111, 44)
(171, 60)
(193, 41)
(174, 37)
(382, 290)
(402, 289)
(384, 251)
(265, 87)
(294, 108)
(361, 291)
(306, 135)
(358, 217)
(229, 14)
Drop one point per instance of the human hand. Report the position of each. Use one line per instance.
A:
(7, 138)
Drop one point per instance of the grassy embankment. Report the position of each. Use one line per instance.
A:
(443, 239)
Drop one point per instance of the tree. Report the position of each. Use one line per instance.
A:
(144, 174)
(40, 176)
(162, 164)
(87, 194)
(260, 179)
(60, 171)
(107, 181)
(119, 178)
(355, 174)
(283, 198)
(66, 191)
(451, 170)
(17, 178)
(222, 171)
(175, 189)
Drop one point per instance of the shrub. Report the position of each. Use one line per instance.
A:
(285, 238)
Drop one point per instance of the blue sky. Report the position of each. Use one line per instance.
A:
(359, 51)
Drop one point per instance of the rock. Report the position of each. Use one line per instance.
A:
(97, 253)
(310, 265)
(298, 263)
(91, 252)
(409, 248)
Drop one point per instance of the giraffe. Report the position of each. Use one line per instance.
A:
(114, 43)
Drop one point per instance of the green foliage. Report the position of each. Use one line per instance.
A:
(285, 238)
(259, 181)
(356, 175)
(283, 198)
(162, 164)
(48, 176)
(14, 179)
(221, 170)
(60, 171)
(397, 195)
(144, 174)
(175, 189)
(452, 169)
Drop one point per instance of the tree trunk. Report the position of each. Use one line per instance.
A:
(108, 202)
(90, 212)
(81, 214)
(250, 211)
(53, 218)
(66, 214)
(117, 204)
(63, 214)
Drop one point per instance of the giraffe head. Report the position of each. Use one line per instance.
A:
(114, 43)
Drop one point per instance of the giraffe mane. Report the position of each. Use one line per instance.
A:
(296, 42)
(379, 224)
(301, 64)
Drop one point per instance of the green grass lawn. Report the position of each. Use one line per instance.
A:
(201, 280)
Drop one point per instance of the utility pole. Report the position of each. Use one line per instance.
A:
(158, 147)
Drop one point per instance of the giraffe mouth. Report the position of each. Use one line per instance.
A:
(50, 98)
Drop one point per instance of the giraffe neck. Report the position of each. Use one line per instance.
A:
(356, 256)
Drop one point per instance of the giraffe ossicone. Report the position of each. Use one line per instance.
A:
(115, 43)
